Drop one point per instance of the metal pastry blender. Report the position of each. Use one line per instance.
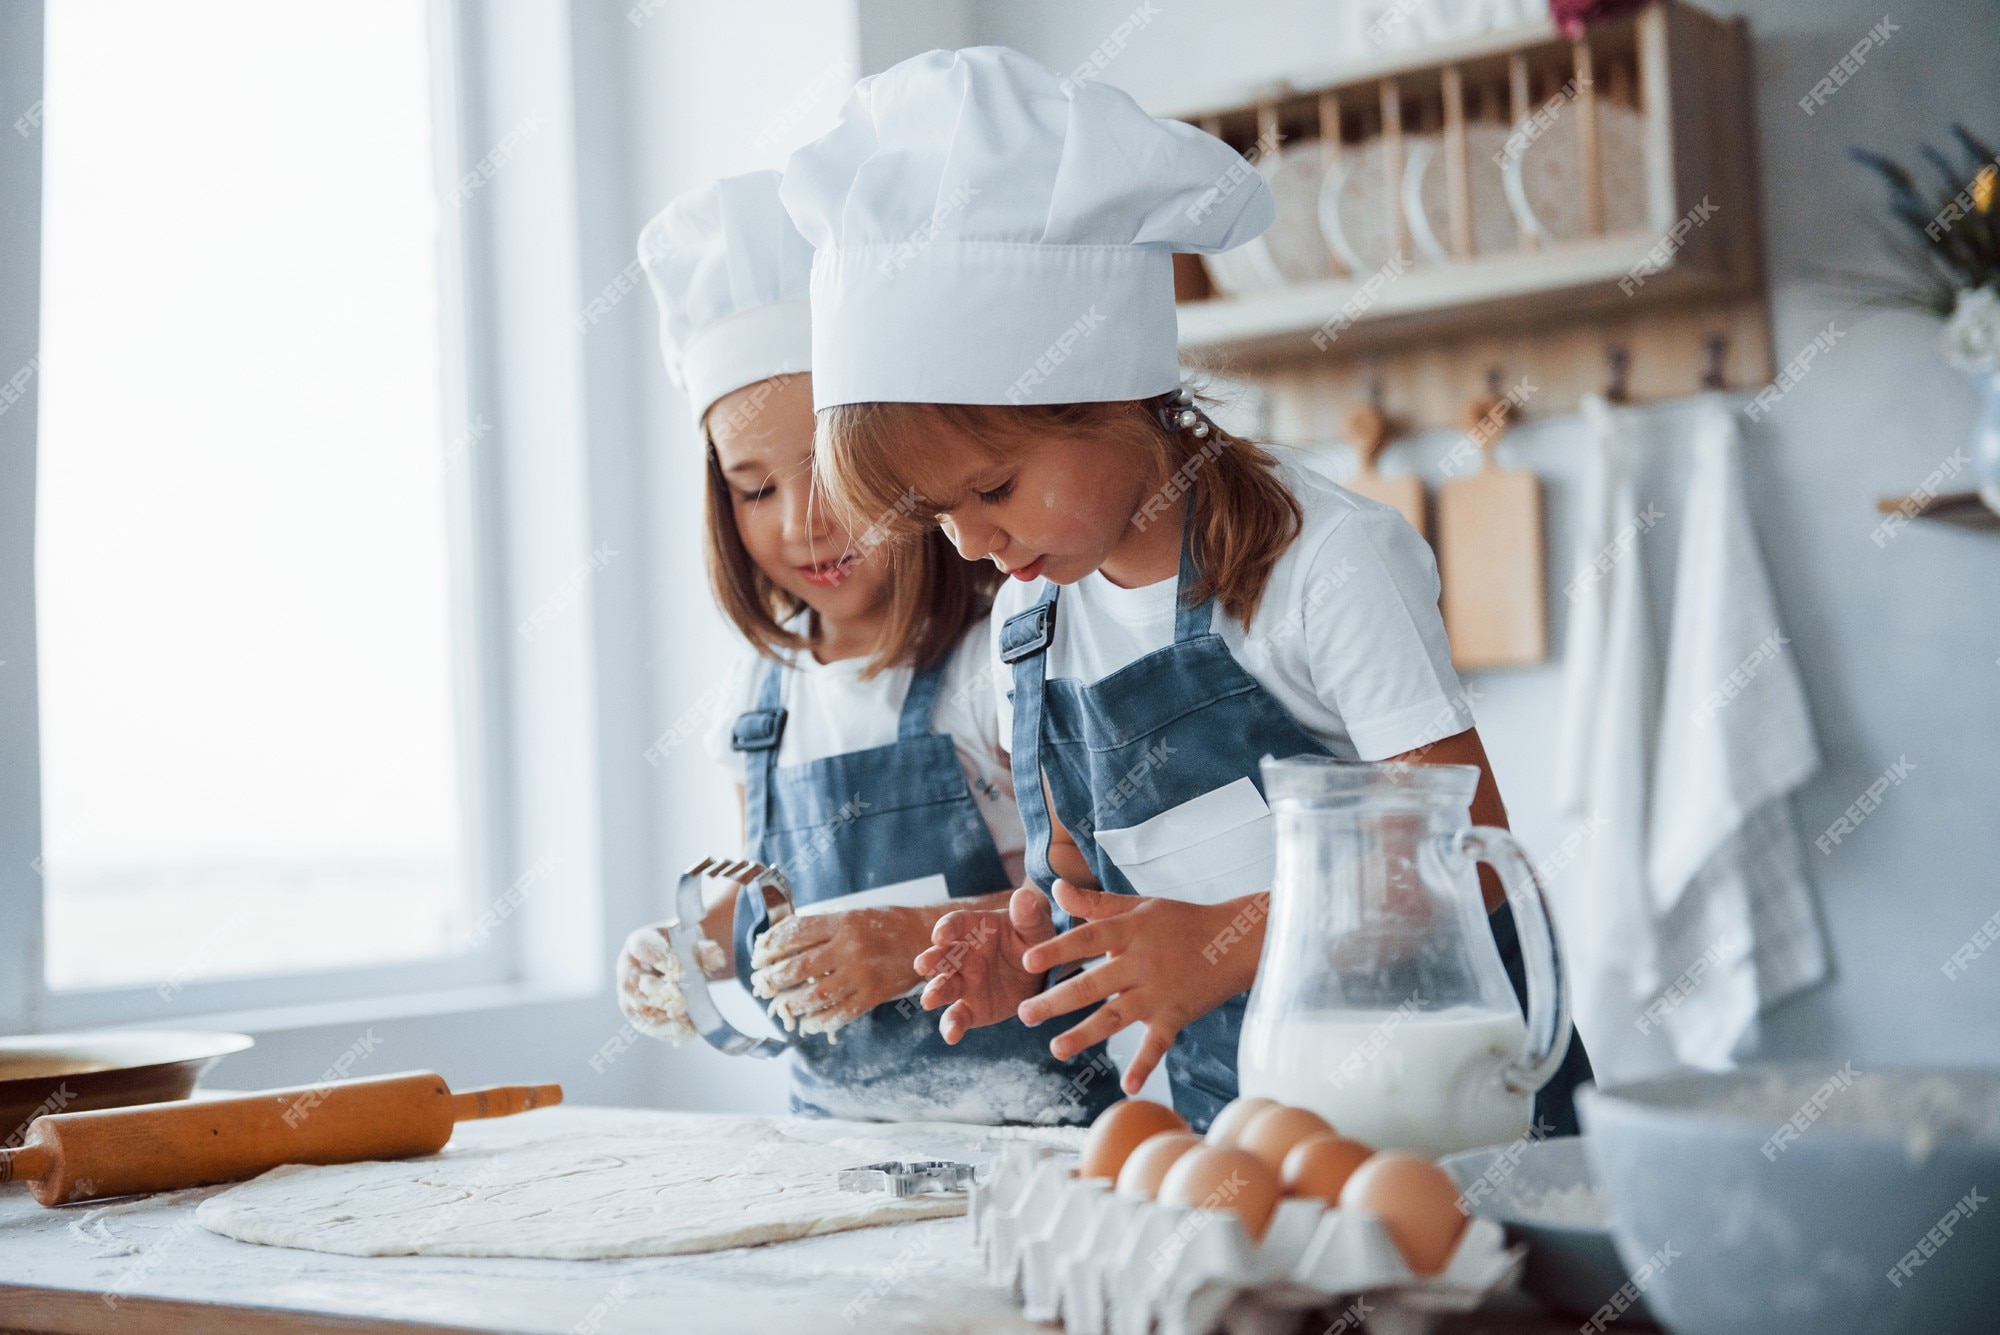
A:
(684, 934)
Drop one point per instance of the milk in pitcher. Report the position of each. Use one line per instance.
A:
(1425, 1081)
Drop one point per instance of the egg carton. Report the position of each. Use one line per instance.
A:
(1072, 1250)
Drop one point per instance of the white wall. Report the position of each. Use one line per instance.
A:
(709, 90)
(1899, 648)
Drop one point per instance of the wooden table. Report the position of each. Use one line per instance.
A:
(144, 1264)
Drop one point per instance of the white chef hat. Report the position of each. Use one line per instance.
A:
(985, 232)
(732, 277)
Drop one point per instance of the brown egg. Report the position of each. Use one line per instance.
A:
(1141, 1175)
(1217, 1177)
(1319, 1166)
(1271, 1134)
(1416, 1202)
(1118, 1131)
(1229, 1123)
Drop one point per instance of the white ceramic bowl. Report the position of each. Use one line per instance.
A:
(1808, 1198)
(1573, 1265)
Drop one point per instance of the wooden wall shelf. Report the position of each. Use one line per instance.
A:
(1549, 365)
(1961, 509)
(1548, 307)
(1440, 299)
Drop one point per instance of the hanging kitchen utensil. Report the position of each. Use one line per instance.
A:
(1490, 554)
(684, 935)
(1368, 430)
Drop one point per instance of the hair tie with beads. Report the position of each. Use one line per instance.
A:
(1177, 413)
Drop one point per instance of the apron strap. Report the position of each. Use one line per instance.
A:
(756, 736)
(1024, 647)
(1190, 623)
(921, 701)
(770, 691)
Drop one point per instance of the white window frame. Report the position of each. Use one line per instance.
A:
(545, 719)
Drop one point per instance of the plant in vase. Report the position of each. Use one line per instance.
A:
(1972, 344)
(1947, 240)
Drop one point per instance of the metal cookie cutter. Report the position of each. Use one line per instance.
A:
(684, 934)
(900, 1177)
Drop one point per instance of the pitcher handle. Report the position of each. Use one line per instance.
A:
(1548, 995)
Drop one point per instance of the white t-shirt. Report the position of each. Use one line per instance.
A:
(831, 711)
(1348, 636)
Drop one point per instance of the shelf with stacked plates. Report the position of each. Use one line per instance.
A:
(1517, 202)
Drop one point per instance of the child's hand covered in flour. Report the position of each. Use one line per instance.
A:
(1166, 963)
(821, 971)
(649, 982)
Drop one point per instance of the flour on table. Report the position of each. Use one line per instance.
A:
(695, 1185)
(989, 1092)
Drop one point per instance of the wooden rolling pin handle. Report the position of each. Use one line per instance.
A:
(502, 1101)
(27, 1163)
(76, 1156)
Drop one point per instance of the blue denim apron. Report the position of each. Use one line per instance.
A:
(865, 819)
(1160, 731)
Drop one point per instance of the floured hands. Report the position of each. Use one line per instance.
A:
(649, 982)
(821, 971)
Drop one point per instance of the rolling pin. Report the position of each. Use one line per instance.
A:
(84, 1156)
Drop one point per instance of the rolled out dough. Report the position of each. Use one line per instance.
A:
(733, 1182)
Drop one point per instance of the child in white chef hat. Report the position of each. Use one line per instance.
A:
(994, 340)
(865, 768)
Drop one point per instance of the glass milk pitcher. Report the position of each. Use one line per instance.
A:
(1381, 1002)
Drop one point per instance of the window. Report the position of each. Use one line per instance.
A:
(249, 762)
(302, 440)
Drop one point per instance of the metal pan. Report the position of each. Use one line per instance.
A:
(109, 1068)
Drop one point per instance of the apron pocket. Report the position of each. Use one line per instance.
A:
(1218, 846)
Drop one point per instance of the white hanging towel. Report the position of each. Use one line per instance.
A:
(1732, 906)
(1607, 729)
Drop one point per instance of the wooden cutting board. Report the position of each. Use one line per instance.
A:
(1368, 430)
(1490, 559)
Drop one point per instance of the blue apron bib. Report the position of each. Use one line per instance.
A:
(866, 819)
(1161, 731)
